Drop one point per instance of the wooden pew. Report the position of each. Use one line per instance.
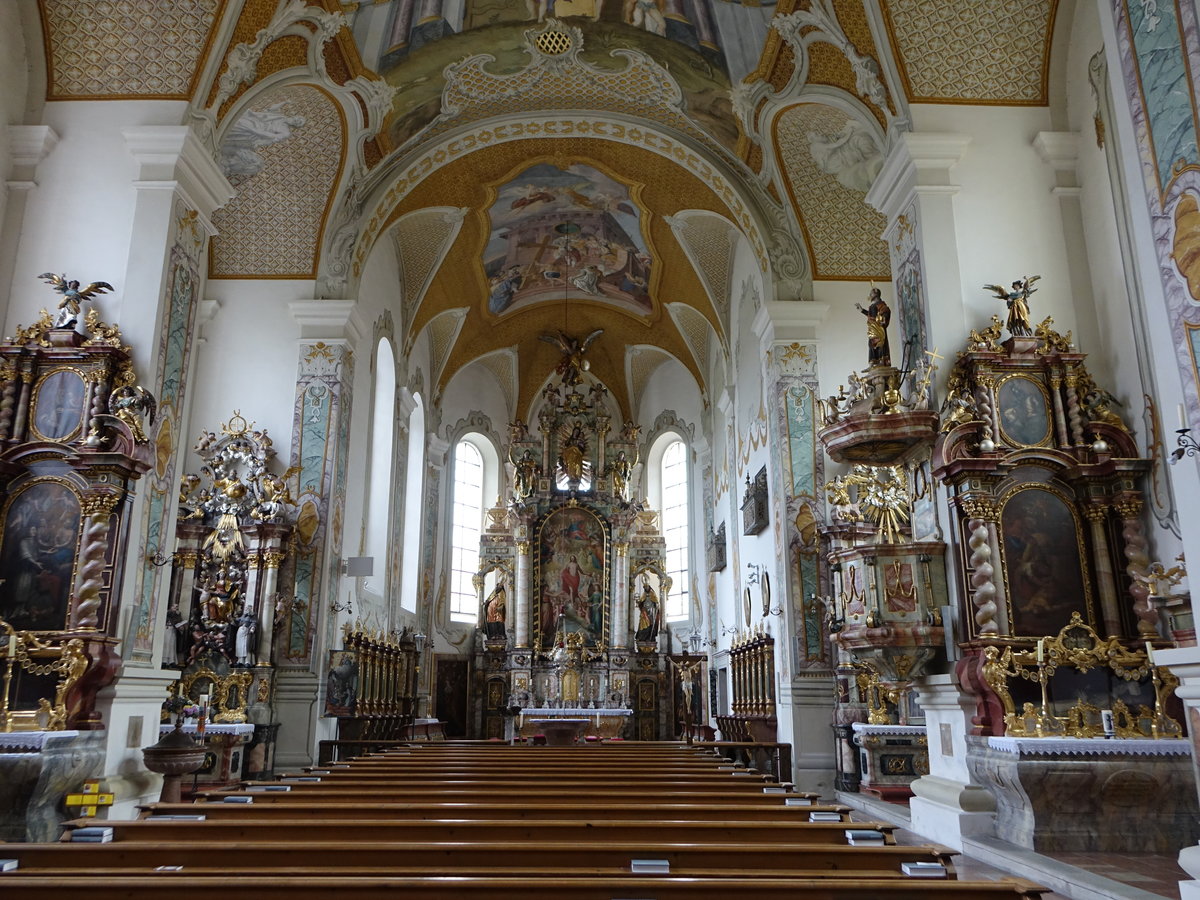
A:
(468, 809)
(181, 886)
(305, 830)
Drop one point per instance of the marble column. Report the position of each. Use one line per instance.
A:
(1097, 517)
(620, 624)
(946, 805)
(522, 596)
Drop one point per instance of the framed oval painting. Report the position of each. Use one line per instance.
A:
(58, 406)
(1024, 411)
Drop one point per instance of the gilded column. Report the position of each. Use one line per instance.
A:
(1137, 565)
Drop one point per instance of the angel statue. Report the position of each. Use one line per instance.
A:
(573, 365)
(1018, 323)
(73, 298)
(130, 402)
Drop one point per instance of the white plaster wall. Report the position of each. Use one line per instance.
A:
(247, 358)
(79, 219)
(474, 389)
(1007, 223)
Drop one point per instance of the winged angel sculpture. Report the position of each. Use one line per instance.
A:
(73, 297)
(573, 365)
(1018, 323)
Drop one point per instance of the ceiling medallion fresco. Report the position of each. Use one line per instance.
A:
(566, 233)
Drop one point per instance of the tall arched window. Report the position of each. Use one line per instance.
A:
(379, 495)
(673, 474)
(466, 526)
(414, 496)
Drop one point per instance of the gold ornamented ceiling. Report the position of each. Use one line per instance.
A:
(663, 187)
(973, 51)
(105, 49)
(283, 156)
(841, 230)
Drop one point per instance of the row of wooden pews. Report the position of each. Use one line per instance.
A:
(444, 820)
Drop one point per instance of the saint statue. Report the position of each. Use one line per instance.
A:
(647, 630)
(524, 476)
(245, 641)
(571, 455)
(620, 476)
(879, 316)
(494, 610)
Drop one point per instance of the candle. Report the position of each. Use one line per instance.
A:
(1041, 649)
(12, 645)
(1149, 650)
(1182, 416)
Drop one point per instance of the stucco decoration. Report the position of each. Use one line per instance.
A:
(131, 48)
(640, 363)
(993, 52)
(283, 156)
(842, 231)
(443, 330)
(422, 240)
(502, 365)
(697, 331)
(710, 242)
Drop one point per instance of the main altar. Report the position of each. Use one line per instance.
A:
(572, 580)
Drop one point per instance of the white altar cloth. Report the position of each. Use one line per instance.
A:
(1091, 746)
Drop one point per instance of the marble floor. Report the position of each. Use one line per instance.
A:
(1074, 876)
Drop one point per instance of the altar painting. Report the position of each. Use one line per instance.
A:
(571, 578)
(565, 232)
(1042, 562)
(37, 555)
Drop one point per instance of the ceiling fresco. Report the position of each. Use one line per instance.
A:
(565, 232)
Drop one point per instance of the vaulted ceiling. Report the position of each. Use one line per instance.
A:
(594, 172)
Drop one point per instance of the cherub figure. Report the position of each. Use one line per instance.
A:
(131, 403)
(1017, 299)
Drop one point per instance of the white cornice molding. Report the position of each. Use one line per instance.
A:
(28, 145)
(786, 320)
(916, 161)
(1060, 149)
(166, 153)
(330, 320)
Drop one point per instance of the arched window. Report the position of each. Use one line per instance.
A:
(673, 479)
(466, 526)
(379, 495)
(414, 495)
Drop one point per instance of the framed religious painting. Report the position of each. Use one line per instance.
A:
(58, 400)
(571, 581)
(37, 556)
(1044, 562)
(1023, 409)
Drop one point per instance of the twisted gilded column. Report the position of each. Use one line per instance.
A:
(980, 525)
(1137, 565)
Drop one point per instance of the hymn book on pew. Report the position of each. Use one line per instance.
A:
(797, 801)
(920, 869)
(92, 834)
(825, 817)
(864, 837)
(7, 865)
